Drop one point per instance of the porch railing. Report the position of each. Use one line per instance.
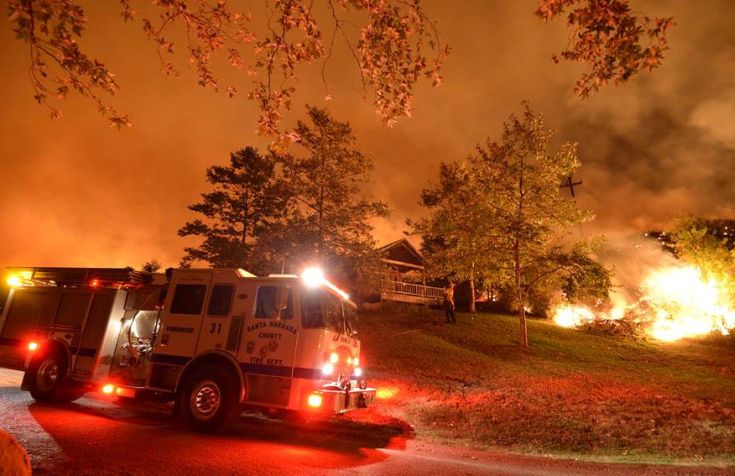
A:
(409, 292)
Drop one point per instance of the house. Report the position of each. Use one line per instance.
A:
(403, 276)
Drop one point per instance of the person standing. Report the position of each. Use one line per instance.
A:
(449, 303)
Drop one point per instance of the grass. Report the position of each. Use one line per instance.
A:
(570, 394)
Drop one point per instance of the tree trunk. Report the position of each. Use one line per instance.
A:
(520, 301)
(473, 308)
(524, 329)
(517, 262)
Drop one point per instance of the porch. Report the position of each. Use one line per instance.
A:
(392, 290)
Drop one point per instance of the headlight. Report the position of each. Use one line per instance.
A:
(327, 369)
(358, 372)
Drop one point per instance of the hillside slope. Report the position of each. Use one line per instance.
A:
(569, 394)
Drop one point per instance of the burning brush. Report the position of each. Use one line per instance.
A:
(676, 302)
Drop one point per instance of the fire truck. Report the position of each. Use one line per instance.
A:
(212, 341)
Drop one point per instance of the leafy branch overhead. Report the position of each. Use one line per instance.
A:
(615, 43)
(58, 66)
(394, 47)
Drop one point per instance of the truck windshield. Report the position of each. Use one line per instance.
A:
(321, 309)
(350, 319)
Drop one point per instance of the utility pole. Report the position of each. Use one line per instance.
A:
(570, 183)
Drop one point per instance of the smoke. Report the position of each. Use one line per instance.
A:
(632, 258)
(653, 149)
(663, 145)
(714, 118)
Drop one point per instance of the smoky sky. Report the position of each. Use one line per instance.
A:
(77, 193)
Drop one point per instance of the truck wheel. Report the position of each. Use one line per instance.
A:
(47, 380)
(209, 400)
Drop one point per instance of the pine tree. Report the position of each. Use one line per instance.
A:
(247, 200)
(329, 216)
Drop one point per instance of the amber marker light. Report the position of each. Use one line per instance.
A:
(314, 400)
(108, 388)
(14, 281)
(333, 357)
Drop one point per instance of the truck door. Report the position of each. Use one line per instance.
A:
(182, 320)
(223, 315)
(270, 340)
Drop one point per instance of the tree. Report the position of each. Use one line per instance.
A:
(525, 211)
(328, 217)
(450, 239)
(503, 211)
(151, 266)
(609, 38)
(455, 242)
(707, 246)
(276, 213)
(585, 279)
(396, 46)
(572, 270)
(248, 198)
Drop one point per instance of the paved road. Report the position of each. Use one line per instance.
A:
(95, 436)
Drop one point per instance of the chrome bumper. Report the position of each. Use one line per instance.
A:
(341, 401)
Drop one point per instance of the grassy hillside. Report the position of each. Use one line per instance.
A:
(571, 393)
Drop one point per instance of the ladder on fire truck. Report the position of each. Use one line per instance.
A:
(74, 277)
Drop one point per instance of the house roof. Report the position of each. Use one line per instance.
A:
(402, 252)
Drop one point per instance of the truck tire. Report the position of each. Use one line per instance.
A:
(47, 380)
(209, 399)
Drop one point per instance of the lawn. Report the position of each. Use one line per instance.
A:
(570, 393)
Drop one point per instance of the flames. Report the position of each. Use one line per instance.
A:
(676, 302)
(687, 304)
(572, 316)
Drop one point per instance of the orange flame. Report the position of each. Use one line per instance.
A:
(677, 302)
(572, 316)
(686, 304)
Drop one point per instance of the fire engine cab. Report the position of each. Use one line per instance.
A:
(211, 340)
